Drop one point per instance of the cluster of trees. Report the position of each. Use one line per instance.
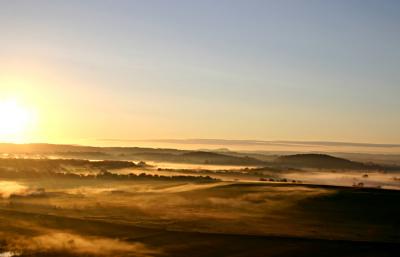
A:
(59, 164)
(109, 175)
(33, 174)
(285, 180)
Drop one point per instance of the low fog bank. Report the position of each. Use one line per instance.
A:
(13, 188)
(86, 172)
(348, 178)
(222, 207)
(70, 244)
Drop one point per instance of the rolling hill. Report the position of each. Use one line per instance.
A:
(323, 161)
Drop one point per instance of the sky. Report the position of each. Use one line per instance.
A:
(245, 70)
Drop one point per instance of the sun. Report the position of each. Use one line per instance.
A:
(15, 120)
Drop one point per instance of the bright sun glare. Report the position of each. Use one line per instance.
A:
(15, 120)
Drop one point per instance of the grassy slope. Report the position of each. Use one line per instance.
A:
(226, 220)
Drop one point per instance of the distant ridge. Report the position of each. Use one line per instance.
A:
(308, 160)
(322, 161)
(218, 158)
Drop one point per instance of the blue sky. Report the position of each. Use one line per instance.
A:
(271, 70)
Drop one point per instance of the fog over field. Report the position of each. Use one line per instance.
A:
(57, 206)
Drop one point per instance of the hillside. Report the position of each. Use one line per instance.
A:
(321, 161)
(218, 158)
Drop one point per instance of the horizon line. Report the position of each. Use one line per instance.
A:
(226, 142)
(254, 142)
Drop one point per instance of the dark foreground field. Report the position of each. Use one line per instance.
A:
(168, 218)
(82, 237)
